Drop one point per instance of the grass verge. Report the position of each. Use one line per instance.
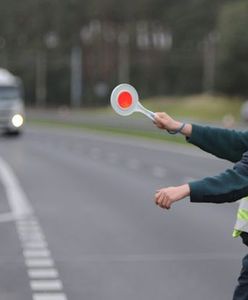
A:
(104, 129)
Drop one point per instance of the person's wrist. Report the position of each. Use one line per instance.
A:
(185, 190)
(174, 125)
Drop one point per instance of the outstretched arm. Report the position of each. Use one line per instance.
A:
(223, 143)
(229, 186)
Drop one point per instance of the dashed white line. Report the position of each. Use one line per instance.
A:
(36, 253)
(53, 296)
(43, 273)
(34, 236)
(46, 285)
(42, 262)
(34, 244)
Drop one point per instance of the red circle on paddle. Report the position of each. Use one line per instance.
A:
(125, 99)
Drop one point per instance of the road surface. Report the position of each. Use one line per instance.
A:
(77, 221)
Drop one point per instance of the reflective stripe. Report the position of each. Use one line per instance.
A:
(236, 233)
(242, 218)
(241, 225)
(243, 214)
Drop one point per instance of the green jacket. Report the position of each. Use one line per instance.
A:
(231, 145)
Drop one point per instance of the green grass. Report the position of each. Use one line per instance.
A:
(199, 107)
(196, 108)
(203, 107)
(104, 129)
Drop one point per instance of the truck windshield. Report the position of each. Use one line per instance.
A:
(9, 93)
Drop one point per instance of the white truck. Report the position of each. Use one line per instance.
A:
(11, 103)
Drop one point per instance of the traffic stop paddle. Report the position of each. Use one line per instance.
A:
(125, 101)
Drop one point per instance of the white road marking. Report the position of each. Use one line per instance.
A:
(34, 235)
(43, 273)
(34, 244)
(36, 253)
(42, 262)
(37, 256)
(53, 296)
(37, 236)
(46, 285)
(18, 202)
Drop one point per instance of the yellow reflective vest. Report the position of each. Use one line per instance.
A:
(242, 218)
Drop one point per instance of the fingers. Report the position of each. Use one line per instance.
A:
(160, 120)
(162, 200)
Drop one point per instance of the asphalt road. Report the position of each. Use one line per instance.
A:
(94, 233)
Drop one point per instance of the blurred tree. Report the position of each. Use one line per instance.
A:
(164, 47)
(233, 49)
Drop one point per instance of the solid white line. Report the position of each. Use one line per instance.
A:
(43, 262)
(36, 253)
(43, 273)
(53, 296)
(17, 199)
(46, 285)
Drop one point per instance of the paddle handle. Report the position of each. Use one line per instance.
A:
(146, 112)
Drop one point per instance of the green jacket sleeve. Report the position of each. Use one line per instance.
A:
(223, 143)
(229, 186)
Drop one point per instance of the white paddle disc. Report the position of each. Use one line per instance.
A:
(125, 101)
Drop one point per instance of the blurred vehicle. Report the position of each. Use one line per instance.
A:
(11, 103)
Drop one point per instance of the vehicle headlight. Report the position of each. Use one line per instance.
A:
(17, 120)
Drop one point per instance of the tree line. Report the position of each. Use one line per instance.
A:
(160, 46)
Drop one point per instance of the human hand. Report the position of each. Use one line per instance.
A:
(164, 121)
(166, 196)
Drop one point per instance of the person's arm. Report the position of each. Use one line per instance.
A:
(223, 143)
(229, 186)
